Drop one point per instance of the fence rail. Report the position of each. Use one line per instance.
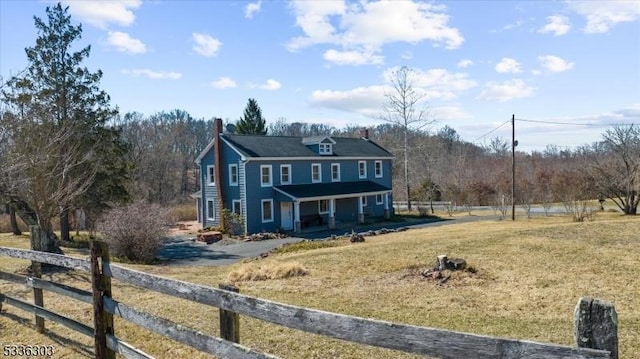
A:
(408, 338)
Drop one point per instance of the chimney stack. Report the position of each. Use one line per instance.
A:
(217, 127)
(364, 133)
(217, 155)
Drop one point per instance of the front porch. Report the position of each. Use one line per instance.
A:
(327, 205)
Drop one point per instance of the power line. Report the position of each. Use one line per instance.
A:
(576, 124)
(490, 132)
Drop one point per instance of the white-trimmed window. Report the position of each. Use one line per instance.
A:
(233, 175)
(237, 206)
(211, 209)
(265, 176)
(267, 210)
(379, 199)
(323, 206)
(285, 174)
(316, 173)
(211, 175)
(378, 169)
(362, 169)
(335, 172)
(325, 149)
(363, 200)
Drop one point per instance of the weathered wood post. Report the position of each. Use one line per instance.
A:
(596, 325)
(229, 321)
(36, 272)
(101, 286)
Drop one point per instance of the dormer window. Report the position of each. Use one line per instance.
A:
(322, 145)
(326, 149)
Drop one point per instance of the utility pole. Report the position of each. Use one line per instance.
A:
(514, 143)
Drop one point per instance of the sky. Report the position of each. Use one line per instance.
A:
(567, 70)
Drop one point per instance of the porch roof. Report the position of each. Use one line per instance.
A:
(312, 191)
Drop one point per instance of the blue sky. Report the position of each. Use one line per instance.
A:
(477, 62)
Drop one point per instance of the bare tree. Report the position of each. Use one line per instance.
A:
(406, 108)
(617, 168)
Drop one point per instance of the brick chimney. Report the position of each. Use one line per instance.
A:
(217, 158)
(364, 133)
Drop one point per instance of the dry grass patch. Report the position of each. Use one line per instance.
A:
(309, 245)
(267, 271)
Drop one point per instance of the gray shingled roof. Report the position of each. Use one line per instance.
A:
(331, 189)
(289, 146)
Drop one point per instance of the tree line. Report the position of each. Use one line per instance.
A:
(64, 149)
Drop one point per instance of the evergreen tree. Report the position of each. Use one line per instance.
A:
(252, 122)
(55, 119)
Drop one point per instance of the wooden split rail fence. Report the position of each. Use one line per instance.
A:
(595, 320)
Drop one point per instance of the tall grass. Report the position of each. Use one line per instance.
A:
(183, 212)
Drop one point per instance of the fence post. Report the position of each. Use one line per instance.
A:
(101, 286)
(229, 321)
(596, 325)
(36, 272)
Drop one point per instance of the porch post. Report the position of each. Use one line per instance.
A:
(387, 213)
(360, 210)
(332, 213)
(296, 215)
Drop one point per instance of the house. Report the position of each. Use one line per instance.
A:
(289, 183)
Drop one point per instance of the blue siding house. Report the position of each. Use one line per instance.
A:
(290, 183)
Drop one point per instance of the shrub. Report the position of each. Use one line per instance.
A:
(233, 223)
(134, 232)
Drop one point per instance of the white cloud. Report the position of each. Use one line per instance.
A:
(102, 13)
(224, 82)
(206, 45)
(464, 63)
(508, 65)
(313, 18)
(505, 91)
(435, 84)
(603, 15)
(151, 74)
(352, 57)
(365, 27)
(252, 8)
(271, 85)
(364, 100)
(554, 64)
(125, 43)
(557, 24)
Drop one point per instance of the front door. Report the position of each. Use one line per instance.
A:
(286, 215)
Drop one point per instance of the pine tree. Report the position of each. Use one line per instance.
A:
(55, 118)
(252, 122)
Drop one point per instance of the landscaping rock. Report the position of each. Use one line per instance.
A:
(356, 238)
(209, 237)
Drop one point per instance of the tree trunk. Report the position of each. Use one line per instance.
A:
(14, 222)
(406, 168)
(48, 239)
(65, 228)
